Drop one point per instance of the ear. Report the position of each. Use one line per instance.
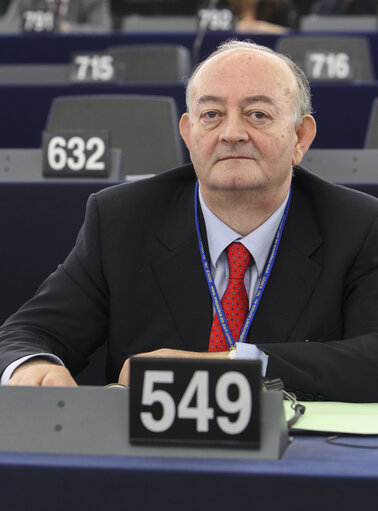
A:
(306, 132)
(185, 129)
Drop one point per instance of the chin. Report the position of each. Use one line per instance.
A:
(234, 184)
(237, 179)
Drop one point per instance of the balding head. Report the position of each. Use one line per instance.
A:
(302, 101)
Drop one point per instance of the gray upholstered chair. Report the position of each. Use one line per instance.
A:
(144, 127)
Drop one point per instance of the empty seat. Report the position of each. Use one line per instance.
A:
(331, 59)
(371, 140)
(144, 127)
(157, 63)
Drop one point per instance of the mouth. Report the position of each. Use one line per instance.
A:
(237, 157)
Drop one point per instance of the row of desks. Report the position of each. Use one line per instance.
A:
(312, 475)
(58, 48)
(341, 110)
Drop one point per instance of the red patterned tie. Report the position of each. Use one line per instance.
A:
(234, 300)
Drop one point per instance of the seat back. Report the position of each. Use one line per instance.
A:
(331, 58)
(144, 127)
(371, 140)
(156, 63)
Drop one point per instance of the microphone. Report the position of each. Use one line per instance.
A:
(202, 29)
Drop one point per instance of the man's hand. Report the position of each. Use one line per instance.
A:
(124, 375)
(42, 372)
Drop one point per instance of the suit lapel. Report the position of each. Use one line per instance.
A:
(181, 278)
(184, 288)
(293, 277)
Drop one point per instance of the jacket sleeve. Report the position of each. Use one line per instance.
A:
(342, 369)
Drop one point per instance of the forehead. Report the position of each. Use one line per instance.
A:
(238, 74)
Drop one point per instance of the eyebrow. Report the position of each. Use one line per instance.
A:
(206, 98)
(258, 98)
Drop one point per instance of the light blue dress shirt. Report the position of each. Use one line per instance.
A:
(259, 243)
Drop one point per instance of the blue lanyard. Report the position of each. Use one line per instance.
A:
(264, 279)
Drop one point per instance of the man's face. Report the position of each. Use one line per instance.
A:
(240, 131)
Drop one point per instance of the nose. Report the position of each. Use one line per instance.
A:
(233, 129)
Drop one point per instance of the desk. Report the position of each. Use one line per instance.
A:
(312, 476)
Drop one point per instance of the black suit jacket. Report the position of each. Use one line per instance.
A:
(135, 279)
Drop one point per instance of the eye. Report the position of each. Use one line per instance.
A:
(210, 115)
(259, 118)
(258, 115)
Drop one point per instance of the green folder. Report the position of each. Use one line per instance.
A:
(336, 417)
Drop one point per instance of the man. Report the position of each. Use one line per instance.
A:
(138, 279)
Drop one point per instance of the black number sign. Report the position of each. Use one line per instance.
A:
(96, 68)
(38, 21)
(195, 401)
(329, 66)
(80, 153)
(216, 19)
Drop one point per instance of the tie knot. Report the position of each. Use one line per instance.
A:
(238, 258)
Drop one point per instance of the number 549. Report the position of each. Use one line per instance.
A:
(197, 392)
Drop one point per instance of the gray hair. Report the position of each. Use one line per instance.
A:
(302, 105)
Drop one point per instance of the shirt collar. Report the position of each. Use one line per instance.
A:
(258, 242)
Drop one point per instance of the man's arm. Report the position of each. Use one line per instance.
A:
(42, 372)
(242, 351)
(341, 368)
(8, 372)
(124, 376)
